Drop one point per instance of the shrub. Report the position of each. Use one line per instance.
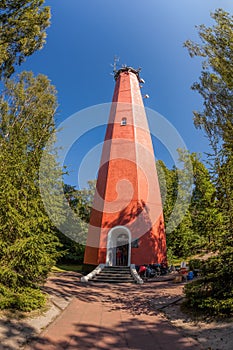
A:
(29, 299)
(213, 293)
(24, 299)
(6, 297)
(195, 264)
(71, 251)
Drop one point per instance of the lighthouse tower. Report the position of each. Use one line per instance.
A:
(126, 223)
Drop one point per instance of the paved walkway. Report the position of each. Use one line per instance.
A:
(100, 317)
(95, 326)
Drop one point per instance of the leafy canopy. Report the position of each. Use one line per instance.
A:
(28, 243)
(22, 31)
(214, 292)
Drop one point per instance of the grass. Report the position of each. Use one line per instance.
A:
(20, 315)
(67, 267)
(177, 261)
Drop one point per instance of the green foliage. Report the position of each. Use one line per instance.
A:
(23, 299)
(68, 267)
(80, 201)
(22, 31)
(28, 241)
(214, 292)
(27, 237)
(195, 264)
(201, 221)
(168, 182)
(27, 299)
(72, 252)
(180, 237)
(207, 219)
(215, 85)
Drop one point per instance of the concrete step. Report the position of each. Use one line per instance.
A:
(117, 268)
(112, 281)
(116, 271)
(117, 279)
(114, 274)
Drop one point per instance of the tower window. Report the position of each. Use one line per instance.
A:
(123, 121)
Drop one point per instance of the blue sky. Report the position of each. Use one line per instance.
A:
(83, 38)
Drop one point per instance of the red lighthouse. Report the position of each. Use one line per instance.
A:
(127, 224)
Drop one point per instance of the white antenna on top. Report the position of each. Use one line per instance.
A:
(115, 63)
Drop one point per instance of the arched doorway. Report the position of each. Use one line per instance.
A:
(119, 240)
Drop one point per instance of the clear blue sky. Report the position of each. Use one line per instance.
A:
(84, 37)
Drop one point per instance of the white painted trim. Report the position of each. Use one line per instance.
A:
(96, 271)
(135, 274)
(112, 244)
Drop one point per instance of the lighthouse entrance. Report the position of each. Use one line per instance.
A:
(119, 247)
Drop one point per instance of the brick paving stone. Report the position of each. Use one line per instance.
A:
(96, 319)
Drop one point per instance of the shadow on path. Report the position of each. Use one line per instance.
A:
(14, 333)
(129, 334)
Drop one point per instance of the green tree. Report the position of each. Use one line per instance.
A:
(22, 31)
(173, 187)
(80, 201)
(206, 217)
(201, 222)
(215, 85)
(214, 292)
(168, 182)
(27, 239)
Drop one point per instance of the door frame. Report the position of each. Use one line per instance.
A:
(112, 244)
